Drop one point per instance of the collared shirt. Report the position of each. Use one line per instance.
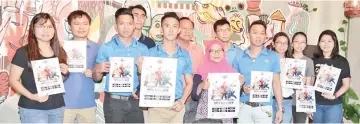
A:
(184, 65)
(115, 48)
(196, 54)
(79, 89)
(267, 60)
(147, 41)
(232, 52)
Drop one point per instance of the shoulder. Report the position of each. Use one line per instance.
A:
(341, 58)
(141, 45)
(21, 49)
(184, 52)
(272, 53)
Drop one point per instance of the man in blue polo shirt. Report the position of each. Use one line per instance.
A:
(79, 87)
(169, 49)
(139, 13)
(223, 33)
(258, 58)
(120, 107)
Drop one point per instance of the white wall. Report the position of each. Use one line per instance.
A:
(353, 53)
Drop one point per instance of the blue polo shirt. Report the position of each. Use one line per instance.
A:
(184, 65)
(79, 89)
(115, 48)
(267, 60)
(232, 52)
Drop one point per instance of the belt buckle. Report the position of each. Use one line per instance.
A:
(125, 98)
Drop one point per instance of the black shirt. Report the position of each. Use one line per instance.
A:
(28, 81)
(338, 62)
(147, 41)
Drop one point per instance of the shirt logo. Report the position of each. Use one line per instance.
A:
(267, 61)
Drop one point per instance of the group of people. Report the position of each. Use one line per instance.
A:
(193, 66)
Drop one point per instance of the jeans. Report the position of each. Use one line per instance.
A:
(190, 111)
(122, 111)
(328, 113)
(41, 116)
(248, 114)
(298, 117)
(287, 115)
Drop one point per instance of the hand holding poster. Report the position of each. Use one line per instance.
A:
(305, 99)
(121, 74)
(224, 95)
(292, 77)
(158, 82)
(47, 76)
(326, 79)
(76, 52)
(261, 83)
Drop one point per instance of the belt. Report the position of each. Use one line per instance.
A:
(253, 104)
(125, 98)
(284, 97)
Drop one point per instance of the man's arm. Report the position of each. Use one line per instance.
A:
(277, 90)
(97, 75)
(188, 87)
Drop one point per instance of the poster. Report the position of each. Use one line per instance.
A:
(305, 99)
(121, 74)
(224, 95)
(48, 78)
(76, 52)
(327, 79)
(158, 82)
(261, 83)
(294, 73)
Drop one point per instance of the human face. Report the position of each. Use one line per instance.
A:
(139, 18)
(299, 43)
(170, 28)
(281, 44)
(187, 30)
(223, 32)
(125, 26)
(80, 27)
(216, 53)
(257, 35)
(44, 30)
(326, 44)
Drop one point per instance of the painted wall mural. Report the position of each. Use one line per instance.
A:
(16, 15)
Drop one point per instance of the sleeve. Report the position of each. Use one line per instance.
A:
(101, 56)
(345, 69)
(276, 65)
(235, 63)
(310, 68)
(20, 58)
(197, 81)
(188, 67)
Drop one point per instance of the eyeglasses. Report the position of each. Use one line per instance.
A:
(43, 26)
(216, 51)
(283, 44)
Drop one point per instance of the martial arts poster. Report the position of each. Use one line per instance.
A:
(48, 78)
(121, 74)
(224, 95)
(305, 99)
(158, 82)
(261, 83)
(327, 79)
(294, 73)
(76, 52)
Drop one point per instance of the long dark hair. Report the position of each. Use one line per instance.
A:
(335, 51)
(287, 52)
(296, 34)
(32, 48)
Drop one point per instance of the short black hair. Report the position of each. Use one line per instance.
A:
(77, 14)
(138, 7)
(123, 11)
(257, 22)
(335, 51)
(220, 22)
(170, 15)
(187, 18)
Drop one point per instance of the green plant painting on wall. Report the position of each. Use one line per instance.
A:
(343, 43)
(351, 111)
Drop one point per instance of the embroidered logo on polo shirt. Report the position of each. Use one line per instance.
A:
(267, 61)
